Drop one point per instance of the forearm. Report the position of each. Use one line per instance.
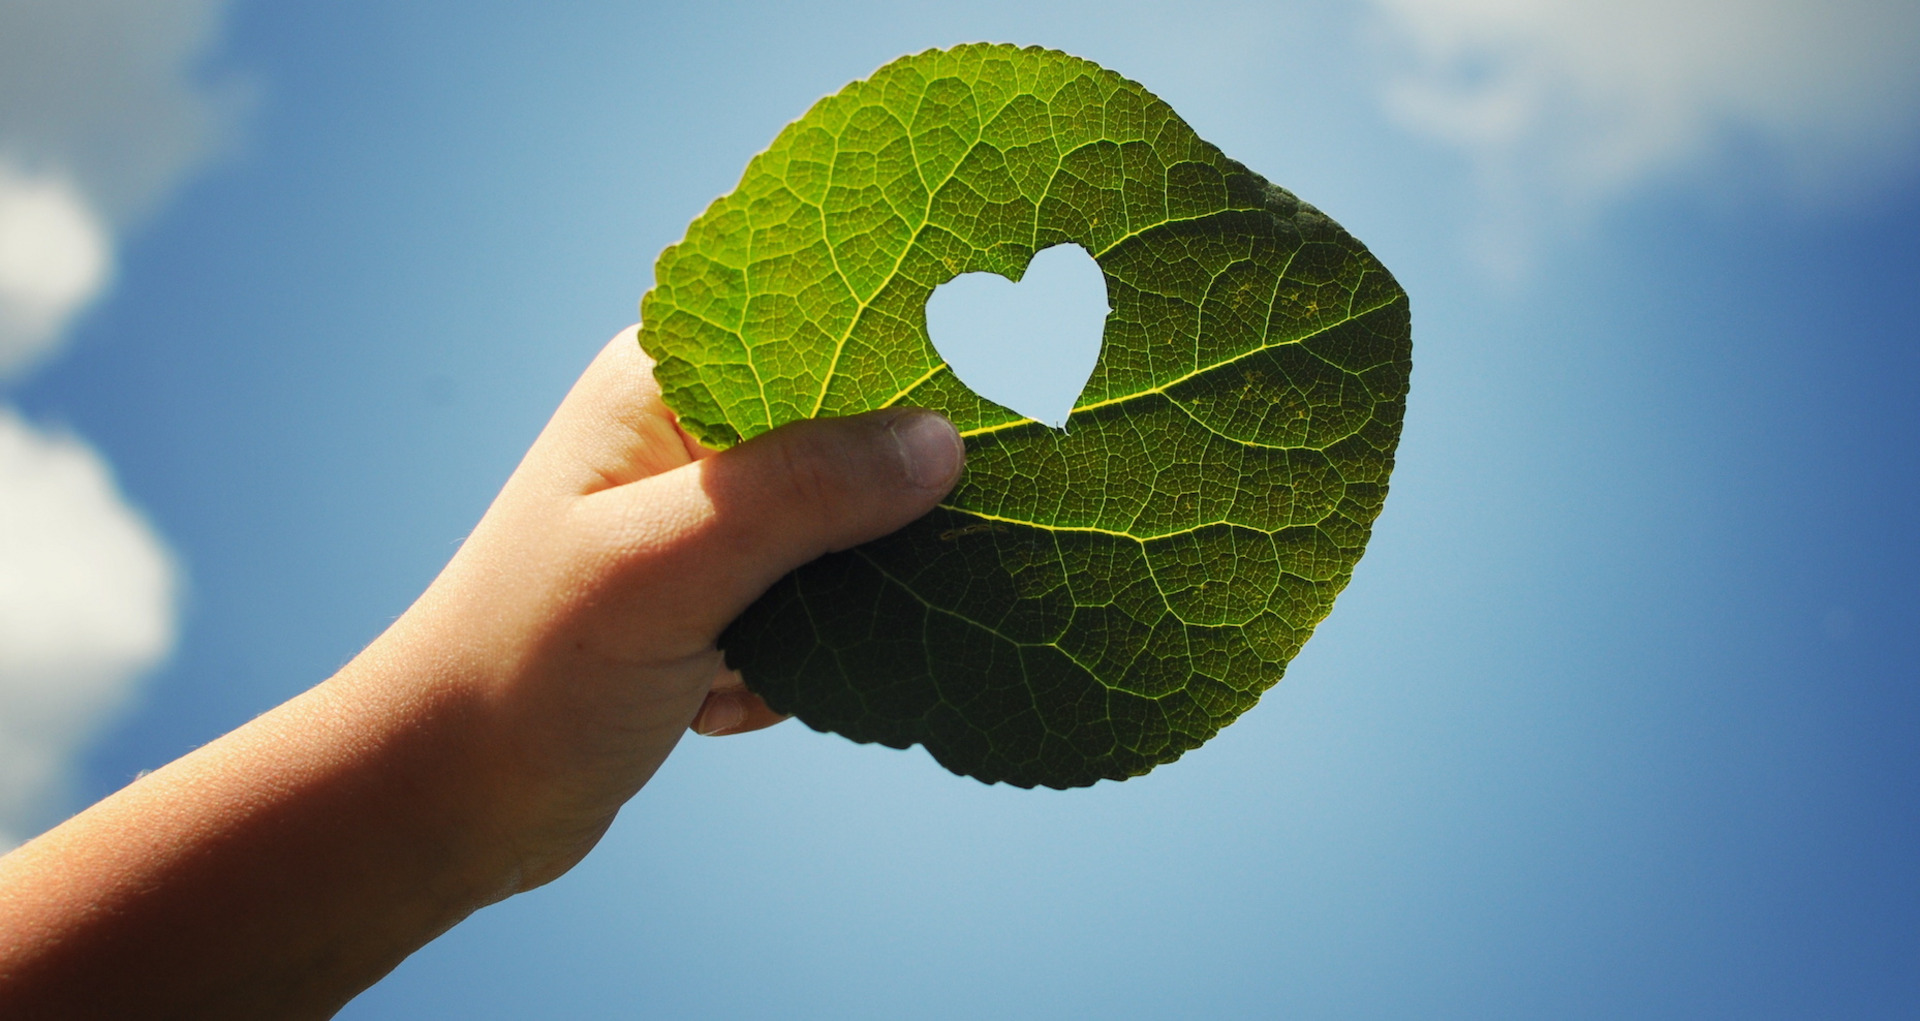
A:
(275, 872)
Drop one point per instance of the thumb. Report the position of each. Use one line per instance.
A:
(748, 515)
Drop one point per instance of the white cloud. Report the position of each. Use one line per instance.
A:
(1562, 104)
(105, 111)
(55, 256)
(87, 605)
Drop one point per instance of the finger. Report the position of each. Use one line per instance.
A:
(722, 529)
(731, 709)
(613, 427)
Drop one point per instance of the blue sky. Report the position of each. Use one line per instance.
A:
(1617, 718)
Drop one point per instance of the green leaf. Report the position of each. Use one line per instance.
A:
(1093, 602)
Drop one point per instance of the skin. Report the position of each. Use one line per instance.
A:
(477, 749)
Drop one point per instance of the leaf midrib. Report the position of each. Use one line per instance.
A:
(1162, 388)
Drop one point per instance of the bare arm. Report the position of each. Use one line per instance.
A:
(479, 747)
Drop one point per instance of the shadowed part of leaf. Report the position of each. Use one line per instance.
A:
(1088, 603)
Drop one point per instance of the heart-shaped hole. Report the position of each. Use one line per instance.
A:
(1028, 346)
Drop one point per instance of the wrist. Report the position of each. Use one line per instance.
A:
(424, 726)
(490, 730)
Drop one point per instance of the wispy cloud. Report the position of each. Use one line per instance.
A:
(114, 94)
(1563, 105)
(104, 112)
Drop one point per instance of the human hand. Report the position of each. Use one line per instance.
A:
(581, 614)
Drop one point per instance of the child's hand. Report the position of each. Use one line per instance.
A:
(584, 608)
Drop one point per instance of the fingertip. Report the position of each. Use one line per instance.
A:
(729, 711)
(930, 447)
